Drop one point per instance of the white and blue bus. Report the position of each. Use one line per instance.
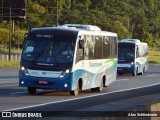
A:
(132, 57)
(71, 57)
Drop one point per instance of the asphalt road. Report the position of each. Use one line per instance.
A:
(13, 97)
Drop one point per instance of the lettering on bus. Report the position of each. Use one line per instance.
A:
(43, 35)
(95, 64)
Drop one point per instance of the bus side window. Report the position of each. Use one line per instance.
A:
(113, 48)
(80, 53)
(106, 47)
(86, 48)
(98, 47)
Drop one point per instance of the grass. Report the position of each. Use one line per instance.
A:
(9, 64)
(154, 56)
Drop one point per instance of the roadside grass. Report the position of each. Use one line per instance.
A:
(154, 56)
(9, 64)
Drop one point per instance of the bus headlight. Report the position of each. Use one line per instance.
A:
(131, 64)
(24, 70)
(64, 73)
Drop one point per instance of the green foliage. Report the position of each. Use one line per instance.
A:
(128, 18)
(153, 56)
(9, 64)
(4, 34)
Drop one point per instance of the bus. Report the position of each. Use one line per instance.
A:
(71, 57)
(132, 57)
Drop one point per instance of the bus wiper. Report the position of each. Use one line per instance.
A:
(35, 59)
(45, 48)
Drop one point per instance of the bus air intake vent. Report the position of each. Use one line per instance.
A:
(81, 27)
(130, 40)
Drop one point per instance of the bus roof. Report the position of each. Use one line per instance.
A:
(81, 27)
(132, 41)
(71, 30)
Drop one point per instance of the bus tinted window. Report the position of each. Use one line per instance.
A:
(47, 48)
(89, 47)
(113, 43)
(106, 47)
(126, 53)
(98, 48)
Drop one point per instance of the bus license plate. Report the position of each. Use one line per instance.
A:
(44, 82)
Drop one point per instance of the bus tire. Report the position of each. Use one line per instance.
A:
(75, 92)
(99, 89)
(104, 81)
(144, 69)
(31, 90)
(142, 72)
(120, 73)
(135, 73)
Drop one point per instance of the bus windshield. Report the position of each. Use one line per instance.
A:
(126, 53)
(49, 48)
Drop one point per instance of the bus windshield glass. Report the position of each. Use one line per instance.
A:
(49, 48)
(126, 53)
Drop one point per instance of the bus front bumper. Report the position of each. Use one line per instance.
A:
(126, 69)
(46, 83)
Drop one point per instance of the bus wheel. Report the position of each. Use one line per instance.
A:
(99, 89)
(31, 90)
(75, 92)
(135, 73)
(120, 73)
(143, 71)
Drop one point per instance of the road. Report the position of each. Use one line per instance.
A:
(13, 97)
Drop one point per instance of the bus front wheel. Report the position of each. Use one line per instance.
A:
(135, 73)
(31, 90)
(143, 71)
(75, 92)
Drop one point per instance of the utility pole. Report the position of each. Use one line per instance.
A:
(18, 36)
(128, 28)
(57, 13)
(2, 9)
(10, 33)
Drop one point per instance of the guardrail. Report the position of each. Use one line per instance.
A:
(13, 57)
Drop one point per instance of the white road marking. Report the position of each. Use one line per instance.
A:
(150, 69)
(8, 85)
(118, 80)
(43, 104)
(24, 92)
(18, 92)
(152, 75)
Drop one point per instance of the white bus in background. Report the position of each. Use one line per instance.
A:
(132, 57)
(71, 57)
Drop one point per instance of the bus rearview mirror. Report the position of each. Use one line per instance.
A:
(81, 44)
(25, 36)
